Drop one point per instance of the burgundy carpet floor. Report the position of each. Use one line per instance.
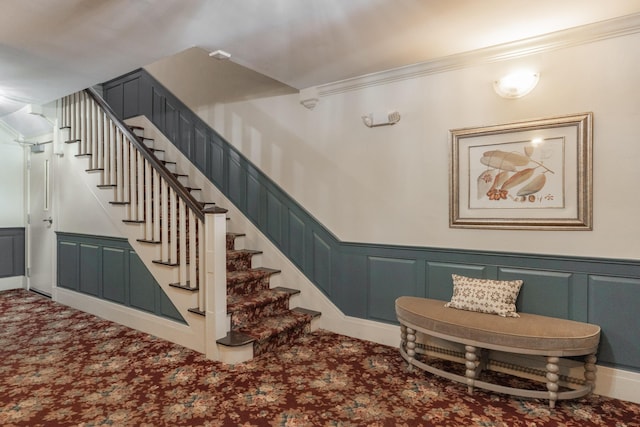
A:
(63, 367)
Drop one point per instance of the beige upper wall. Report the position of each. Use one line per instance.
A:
(12, 182)
(390, 185)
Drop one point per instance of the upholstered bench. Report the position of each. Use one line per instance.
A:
(528, 334)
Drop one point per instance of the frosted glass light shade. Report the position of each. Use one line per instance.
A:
(516, 85)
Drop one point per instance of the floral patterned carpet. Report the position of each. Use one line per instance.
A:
(63, 367)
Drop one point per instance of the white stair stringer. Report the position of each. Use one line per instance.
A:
(192, 335)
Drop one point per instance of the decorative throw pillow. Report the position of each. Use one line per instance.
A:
(485, 296)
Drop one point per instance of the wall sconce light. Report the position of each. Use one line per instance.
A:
(309, 103)
(373, 120)
(516, 85)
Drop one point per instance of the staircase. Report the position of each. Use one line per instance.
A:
(192, 256)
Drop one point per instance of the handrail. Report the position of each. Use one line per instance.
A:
(162, 170)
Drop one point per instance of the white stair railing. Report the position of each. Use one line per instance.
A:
(191, 239)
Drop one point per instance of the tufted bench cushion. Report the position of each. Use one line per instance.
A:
(528, 334)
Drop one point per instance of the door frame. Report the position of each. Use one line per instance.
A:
(49, 145)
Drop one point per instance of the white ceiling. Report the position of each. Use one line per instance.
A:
(49, 48)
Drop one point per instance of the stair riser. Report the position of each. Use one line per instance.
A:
(284, 338)
(248, 286)
(239, 262)
(243, 317)
(231, 242)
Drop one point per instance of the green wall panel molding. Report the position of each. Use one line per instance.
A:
(12, 244)
(108, 268)
(363, 280)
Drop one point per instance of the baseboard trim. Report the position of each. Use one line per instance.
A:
(15, 282)
(169, 330)
(618, 384)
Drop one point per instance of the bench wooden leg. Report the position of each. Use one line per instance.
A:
(411, 346)
(590, 370)
(552, 380)
(471, 365)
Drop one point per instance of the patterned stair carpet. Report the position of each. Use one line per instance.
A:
(256, 309)
(62, 367)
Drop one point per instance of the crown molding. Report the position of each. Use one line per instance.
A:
(612, 28)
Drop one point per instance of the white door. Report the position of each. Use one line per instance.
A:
(41, 228)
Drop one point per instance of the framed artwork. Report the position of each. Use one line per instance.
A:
(535, 174)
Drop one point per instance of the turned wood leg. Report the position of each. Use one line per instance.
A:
(590, 370)
(471, 364)
(411, 346)
(552, 380)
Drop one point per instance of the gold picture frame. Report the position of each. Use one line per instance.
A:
(529, 175)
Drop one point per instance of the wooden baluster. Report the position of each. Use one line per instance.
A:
(83, 123)
(92, 135)
(140, 193)
(182, 213)
(155, 185)
(132, 187)
(106, 127)
(119, 165)
(125, 169)
(193, 278)
(199, 267)
(173, 232)
(164, 225)
(100, 141)
(113, 136)
(148, 201)
(76, 123)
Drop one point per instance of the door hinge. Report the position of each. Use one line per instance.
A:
(28, 272)
(28, 219)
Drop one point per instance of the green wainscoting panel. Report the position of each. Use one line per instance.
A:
(390, 278)
(322, 263)
(12, 254)
(108, 268)
(297, 239)
(613, 304)
(543, 292)
(561, 286)
(142, 293)
(167, 309)
(349, 270)
(114, 278)
(439, 281)
(90, 269)
(68, 264)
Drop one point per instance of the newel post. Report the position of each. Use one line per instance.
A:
(215, 286)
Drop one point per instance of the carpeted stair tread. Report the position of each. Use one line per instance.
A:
(239, 252)
(235, 276)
